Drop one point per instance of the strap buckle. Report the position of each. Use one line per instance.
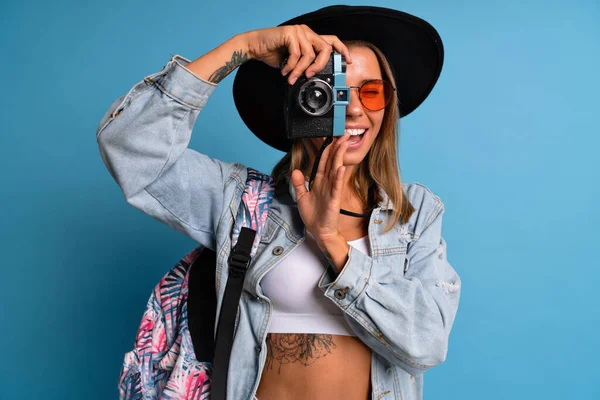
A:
(238, 261)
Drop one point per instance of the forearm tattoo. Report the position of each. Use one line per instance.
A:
(287, 348)
(237, 59)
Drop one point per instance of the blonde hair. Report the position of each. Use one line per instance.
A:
(383, 155)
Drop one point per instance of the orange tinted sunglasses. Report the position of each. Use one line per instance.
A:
(375, 94)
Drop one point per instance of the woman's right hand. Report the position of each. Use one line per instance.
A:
(305, 49)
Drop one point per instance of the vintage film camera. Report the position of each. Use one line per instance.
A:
(316, 107)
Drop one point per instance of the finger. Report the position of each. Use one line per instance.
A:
(308, 55)
(338, 159)
(323, 163)
(294, 54)
(339, 46)
(331, 166)
(333, 151)
(298, 182)
(323, 53)
(323, 49)
(336, 190)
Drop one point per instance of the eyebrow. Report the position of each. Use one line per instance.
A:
(365, 80)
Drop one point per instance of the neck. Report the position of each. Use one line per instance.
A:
(350, 200)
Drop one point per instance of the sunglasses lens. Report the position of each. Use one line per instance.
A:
(376, 94)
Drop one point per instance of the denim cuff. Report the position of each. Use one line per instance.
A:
(352, 280)
(182, 84)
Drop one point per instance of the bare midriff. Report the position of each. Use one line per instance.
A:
(302, 366)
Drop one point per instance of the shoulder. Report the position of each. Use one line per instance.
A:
(428, 205)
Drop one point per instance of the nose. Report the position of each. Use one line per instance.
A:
(354, 107)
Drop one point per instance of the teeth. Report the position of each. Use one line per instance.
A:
(355, 131)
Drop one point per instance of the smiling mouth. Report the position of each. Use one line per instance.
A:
(357, 138)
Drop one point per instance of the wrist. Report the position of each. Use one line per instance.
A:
(242, 41)
(215, 65)
(336, 250)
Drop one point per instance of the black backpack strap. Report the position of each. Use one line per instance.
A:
(202, 304)
(239, 260)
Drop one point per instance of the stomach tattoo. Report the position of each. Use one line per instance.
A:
(305, 348)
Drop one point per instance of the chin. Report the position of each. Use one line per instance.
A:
(353, 160)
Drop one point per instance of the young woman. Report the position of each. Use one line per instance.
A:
(350, 295)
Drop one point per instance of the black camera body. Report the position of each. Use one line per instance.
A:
(316, 106)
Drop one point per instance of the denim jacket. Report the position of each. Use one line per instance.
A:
(401, 300)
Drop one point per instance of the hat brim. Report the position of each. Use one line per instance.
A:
(412, 46)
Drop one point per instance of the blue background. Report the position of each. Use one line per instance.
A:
(508, 139)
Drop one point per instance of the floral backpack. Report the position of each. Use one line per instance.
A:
(175, 354)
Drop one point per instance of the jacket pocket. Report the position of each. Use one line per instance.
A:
(269, 231)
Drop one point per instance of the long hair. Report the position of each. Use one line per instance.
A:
(380, 165)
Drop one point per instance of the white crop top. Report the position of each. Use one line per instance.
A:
(299, 305)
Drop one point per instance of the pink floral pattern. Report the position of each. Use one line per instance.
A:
(254, 207)
(162, 364)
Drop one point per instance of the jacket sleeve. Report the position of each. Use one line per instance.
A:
(407, 321)
(143, 140)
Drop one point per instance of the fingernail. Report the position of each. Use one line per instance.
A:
(310, 73)
(293, 80)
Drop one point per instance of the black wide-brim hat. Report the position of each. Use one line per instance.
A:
(412, 46)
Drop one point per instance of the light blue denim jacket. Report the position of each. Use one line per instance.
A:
(401, 300)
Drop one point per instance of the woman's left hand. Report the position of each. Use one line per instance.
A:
(320, 207)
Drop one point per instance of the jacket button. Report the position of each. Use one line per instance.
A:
(339, 294)
(277, 250)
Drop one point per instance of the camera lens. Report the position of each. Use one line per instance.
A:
(315, 97)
